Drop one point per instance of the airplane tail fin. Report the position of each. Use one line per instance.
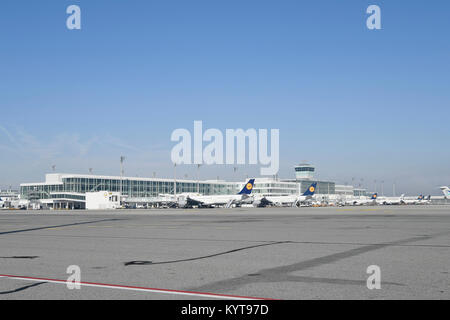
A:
(374, 196)
(247, 189)
(446, 191)
(311, 190)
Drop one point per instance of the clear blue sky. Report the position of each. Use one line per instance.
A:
(357, 103)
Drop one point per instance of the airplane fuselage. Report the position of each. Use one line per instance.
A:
(218, 200)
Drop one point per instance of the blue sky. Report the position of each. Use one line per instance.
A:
(360, 104)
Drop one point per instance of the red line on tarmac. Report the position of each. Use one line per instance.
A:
(156, 290)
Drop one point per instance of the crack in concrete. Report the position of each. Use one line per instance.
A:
(20, 257)
(57, 226)
(202, 257)
(281, 274)
(22, 288)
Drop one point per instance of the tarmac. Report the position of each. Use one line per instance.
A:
(270, 253)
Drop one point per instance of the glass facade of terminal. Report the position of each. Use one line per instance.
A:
(75, 186)
(275, 188)
(323, 187)
(360, 192)
(67, 196)
(138, 188)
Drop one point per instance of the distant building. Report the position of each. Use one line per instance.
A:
(271, 187)
(68, 191)
(304, 177)
(9, 195)
(323, 187)
(350, 191)
(304, 171)
(359, 192)
(344, 190)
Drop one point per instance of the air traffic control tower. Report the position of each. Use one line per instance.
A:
(304, 171)
(304, 176)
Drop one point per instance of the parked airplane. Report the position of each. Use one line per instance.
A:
(161, 201)
(409, 201)
(391, 200)
(286, 201)
(402, 200)
(423, 200)
(278, 201)
(308, 194)
(220, 200)
(361, 202)
(446, 192)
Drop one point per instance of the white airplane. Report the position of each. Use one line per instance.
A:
(409, 201)
(277, 201)
(422, 200)
(220, 200)
(307, 196)
(391, 200)
(286, 201)
(362, 202)
(166, 200)
(446, 192)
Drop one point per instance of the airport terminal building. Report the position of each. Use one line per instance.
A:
(68, 191)
(304, 177)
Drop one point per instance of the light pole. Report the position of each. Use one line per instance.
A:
(175, 180)
(122, 159)
(198, 179)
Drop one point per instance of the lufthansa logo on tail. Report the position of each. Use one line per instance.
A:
(311, 189)
(249, 186)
